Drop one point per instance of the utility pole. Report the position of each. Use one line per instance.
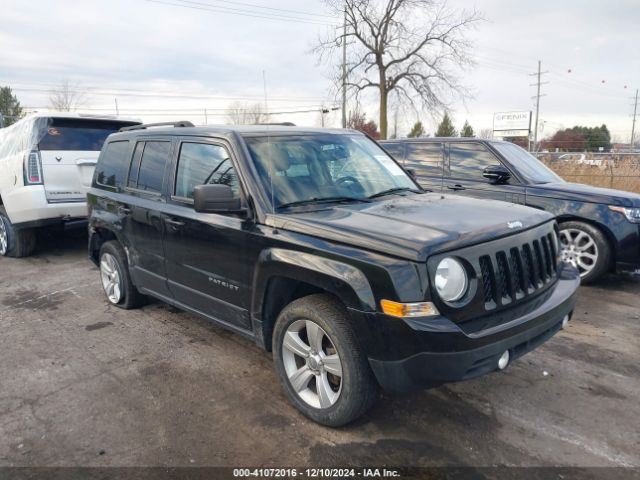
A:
(116, 102)
(266, 103)
(344, 72)
(1, 120)
(633, 126)
(538, 74)
(206, 120)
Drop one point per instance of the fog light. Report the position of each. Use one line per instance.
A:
(504, 360)
(565, 321)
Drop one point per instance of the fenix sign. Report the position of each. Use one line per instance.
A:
(512, 124)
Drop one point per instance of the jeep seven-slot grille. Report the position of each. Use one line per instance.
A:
(512, 274)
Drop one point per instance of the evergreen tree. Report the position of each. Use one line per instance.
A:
(10, 108)
(467, 131)
(417, 130)
(445, 129)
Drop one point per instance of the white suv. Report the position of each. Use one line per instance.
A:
(46, 166)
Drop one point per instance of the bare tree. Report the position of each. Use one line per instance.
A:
(408, 47)
(242, 113)
(486, 133)
(66, 97)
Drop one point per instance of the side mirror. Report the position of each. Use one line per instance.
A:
(411, 172)
(496, 174)
(216, 199)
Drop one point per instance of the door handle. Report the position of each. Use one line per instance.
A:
(455, 187)
(174, 224)
(85, 161)
(124, 210)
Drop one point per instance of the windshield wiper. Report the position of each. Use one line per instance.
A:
(316, 200)
(393, 190)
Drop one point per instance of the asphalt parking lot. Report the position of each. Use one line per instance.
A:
(86, 384)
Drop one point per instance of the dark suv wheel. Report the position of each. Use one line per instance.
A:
(320, 363)
(586, 248)
(115, 278)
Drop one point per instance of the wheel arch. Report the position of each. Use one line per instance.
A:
(98, 237)
(282, 276)
(608, 234)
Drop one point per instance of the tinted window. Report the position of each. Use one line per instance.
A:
(395, 149)
(425, 158)
(526, 164)
(112, 168)
(468, 160)
(135, 165)
(76, 134)
(152, 166)
(200, 164)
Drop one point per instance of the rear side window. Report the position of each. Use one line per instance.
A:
(76, 134)
(425, 158)
(396, 150)
(468, 160)
(112, 168)
(203, 163)
(148, 174)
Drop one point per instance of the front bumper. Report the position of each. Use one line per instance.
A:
(452, 355)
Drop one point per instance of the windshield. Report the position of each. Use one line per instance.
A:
(532, 169)
(325, 168)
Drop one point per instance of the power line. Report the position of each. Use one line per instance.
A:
(125, 93)
(162, 110)
(299, 12)
(235, 11)
(111, 91)
(199, 112)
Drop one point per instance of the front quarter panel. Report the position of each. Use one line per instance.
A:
(623, 235)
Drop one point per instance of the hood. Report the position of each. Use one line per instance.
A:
(585, 193)
(416, 226)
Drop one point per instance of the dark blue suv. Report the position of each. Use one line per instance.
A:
(599, 227)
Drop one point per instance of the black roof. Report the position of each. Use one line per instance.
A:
(441, 139)
(243, 130)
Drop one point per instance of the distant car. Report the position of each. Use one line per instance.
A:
(599, 228)
(581, 159)
(573, 157)
(46, 166)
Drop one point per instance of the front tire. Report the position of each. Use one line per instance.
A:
(14, 242)
(115, 278)
(320, 363)
(586, 248)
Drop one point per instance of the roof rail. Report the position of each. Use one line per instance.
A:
(182, 123)
(281, 124)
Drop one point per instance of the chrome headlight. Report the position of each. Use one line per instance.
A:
(451, 280)
(632, 214)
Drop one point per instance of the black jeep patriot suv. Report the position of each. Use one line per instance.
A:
(320, 247)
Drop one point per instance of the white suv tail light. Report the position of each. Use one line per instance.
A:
(32, 168)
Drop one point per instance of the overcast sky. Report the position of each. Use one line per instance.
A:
(164, 61)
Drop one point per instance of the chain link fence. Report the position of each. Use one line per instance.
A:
(620, 171)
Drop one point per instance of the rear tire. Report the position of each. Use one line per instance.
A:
(316, 348)
(116, 281)
(587, 248)
(14, 242)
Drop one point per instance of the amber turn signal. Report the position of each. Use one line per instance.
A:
(404, 310)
